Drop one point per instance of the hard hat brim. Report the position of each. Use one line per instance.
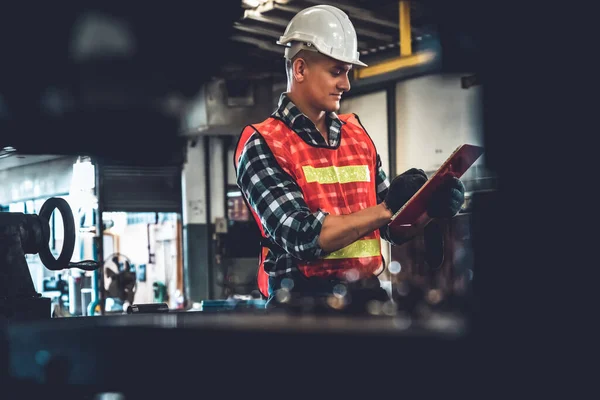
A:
(291, 49)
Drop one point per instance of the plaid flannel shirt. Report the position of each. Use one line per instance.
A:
(278, 200)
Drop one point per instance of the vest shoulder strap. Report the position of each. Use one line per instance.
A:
(245, 135)
(350, 118)
(355, 121)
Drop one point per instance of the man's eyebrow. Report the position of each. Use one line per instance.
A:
(345, 67)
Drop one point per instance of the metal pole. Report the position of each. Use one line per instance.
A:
(98, 295)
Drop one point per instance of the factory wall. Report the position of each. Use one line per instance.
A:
(434, 115)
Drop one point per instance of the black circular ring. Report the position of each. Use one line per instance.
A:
(66, 253)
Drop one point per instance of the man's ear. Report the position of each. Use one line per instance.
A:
(299, 69)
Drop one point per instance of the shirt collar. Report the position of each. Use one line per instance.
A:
(290, 114)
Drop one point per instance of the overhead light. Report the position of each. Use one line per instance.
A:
(236, 193)
(101, 35)
(84, 174)
(251, 3)
(83, 182)
(254, 3)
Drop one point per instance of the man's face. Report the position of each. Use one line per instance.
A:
(326, 80)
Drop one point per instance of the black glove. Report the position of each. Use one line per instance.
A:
(403, 187)
(447, 200)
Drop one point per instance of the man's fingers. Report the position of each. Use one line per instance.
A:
(415, 171)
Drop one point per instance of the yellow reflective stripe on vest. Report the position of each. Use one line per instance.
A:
(358, 249)
(324, 175)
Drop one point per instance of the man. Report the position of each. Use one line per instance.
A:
(313, 179)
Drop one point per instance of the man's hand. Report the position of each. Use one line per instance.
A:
(447, 200)
(403, 187)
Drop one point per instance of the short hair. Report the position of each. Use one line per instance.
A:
(308, 55)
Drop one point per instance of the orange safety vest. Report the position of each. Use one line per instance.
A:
(338, 180)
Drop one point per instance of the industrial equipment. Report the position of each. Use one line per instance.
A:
(22, 234)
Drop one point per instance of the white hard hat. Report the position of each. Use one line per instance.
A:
(325, 29)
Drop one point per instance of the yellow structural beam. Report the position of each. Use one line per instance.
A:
(404, 24)
(407, 58)
(394, 64)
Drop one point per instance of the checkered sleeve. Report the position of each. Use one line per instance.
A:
(383, 184)
(278, 201)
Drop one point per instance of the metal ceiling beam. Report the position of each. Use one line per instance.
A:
(287, 8)
(359, 13)
(256, 16)
(265, 7)
(373, 34)
(257, 42)
(257, 30)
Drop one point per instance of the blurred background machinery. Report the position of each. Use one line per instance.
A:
(30, 233)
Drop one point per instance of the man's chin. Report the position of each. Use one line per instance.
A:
(334, 107)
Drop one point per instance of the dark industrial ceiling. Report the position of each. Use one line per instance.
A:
(110, 80)
(106, 79)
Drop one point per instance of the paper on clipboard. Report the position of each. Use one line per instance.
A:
(413, 214)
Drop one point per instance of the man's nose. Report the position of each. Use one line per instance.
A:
(344, 84)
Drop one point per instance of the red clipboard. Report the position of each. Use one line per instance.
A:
(413, 213)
